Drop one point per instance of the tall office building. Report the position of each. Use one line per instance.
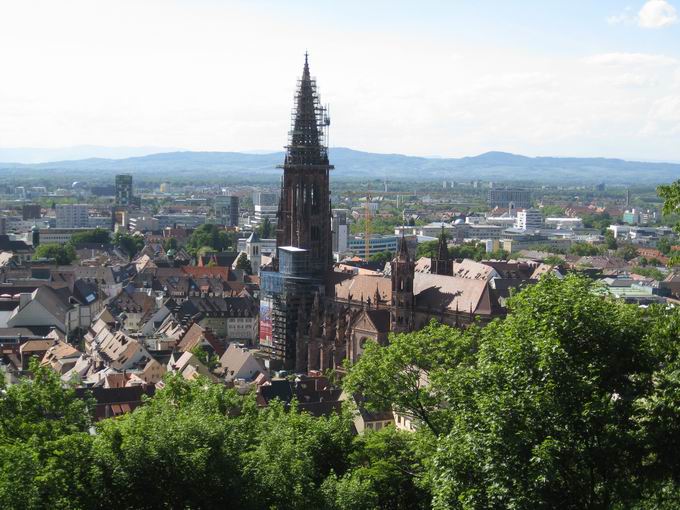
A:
(518, 198)
(124, 195)
(340, 230)
(30, 212)
(226, 209)
(72, 216)
(266, 206)
(529, 219)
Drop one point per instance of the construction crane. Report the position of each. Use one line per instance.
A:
(367, 207)
(368, 218)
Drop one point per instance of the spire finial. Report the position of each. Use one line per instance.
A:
(305, 70)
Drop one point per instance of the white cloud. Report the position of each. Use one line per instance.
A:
(653, 14)
(657, 14)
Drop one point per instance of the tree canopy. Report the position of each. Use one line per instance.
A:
(98, 235)
(562, 404)
(212, 236)
(569, 402)
(130, 243)
(62, 254)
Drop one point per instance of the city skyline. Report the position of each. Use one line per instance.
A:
(430, 80)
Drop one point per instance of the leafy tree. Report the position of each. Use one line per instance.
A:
(44, 444)
(560, 405)
(610, 240)
(209, 359)
(399, 375)
(584, 249)
(474, 251)
(551, 211)
(293, 455)
(130, 243)
(98, 235)
(427, 249)
(664, 245)
(600, 221)
(209, 235)
(170, 244)
(650, 272)
(627, 251)
(381, 258)
(62, 254)
(670, 193)
(244, 264)
(553, 260)
(497, 255)
(179, 451)
(385, 474)
(41, 408)
(265, 229)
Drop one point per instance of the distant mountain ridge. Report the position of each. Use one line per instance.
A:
(31, 155)
(353, 165)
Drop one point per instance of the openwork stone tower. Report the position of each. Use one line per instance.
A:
(304, 216)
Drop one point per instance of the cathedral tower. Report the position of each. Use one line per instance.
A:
(304, 216)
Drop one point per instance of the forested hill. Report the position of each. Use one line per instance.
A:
(351, 164)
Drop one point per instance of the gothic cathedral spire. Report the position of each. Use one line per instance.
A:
(304, 209)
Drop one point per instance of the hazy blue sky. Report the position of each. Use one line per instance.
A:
(451, 78)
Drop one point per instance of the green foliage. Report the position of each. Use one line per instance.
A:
(244, 264)
(554, 260)
(564, 404)
(584, 249)
(571, 401)
(62, 254)
(627, 251)
(397, 376)
(427, 249)
(265, 230)
(212, 236)
(379, 224)
(130, 243)
(387, 474)
(98, 235)
(599, 221)
(170, 244)
(44, 444)
(552, 211)
(664, 245)
(209, 359)
(381, 258)
(610, 240)
(650, 272)
(670, 194)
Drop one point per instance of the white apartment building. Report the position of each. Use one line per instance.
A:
(72, 216)
(529, 219)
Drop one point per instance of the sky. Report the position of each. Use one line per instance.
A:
(430, 78)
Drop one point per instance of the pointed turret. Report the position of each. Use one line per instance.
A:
(402, 249)
(442, 263)
(442, 247)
